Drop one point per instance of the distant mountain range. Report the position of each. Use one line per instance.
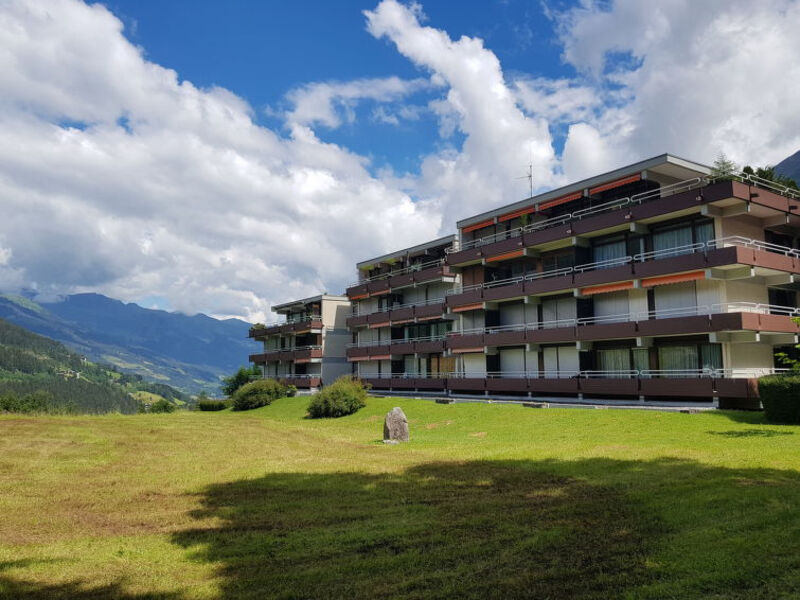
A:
(790, 167)
(189, 353)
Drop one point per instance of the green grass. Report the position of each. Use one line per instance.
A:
(485, 501)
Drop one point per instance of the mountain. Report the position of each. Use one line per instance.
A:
(790, 167)
(40, 374)
(188, 352)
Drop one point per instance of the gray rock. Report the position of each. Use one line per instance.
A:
(395, 427)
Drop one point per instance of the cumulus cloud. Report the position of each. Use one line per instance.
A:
(117, 176)
(328, 103)
(694, 78)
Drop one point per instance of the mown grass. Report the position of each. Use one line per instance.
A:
(485, 501)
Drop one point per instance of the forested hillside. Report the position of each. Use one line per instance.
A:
(38, 373)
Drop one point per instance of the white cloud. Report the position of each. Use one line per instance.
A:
(706, 76)
(327, 103)
(188, 198)
(115, 176)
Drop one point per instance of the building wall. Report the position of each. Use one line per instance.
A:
(743, 359)
(743, 225)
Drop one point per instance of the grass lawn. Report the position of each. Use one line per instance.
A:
(485, 501)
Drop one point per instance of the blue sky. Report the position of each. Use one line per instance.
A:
(226, 157)
(261, 50)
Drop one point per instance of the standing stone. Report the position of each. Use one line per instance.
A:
(395, 427)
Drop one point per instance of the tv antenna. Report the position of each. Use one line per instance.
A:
(529, 177)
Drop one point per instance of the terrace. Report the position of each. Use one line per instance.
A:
(646, 269)
(618, 214)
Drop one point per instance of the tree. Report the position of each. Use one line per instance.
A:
(723, 167)
(243, 376)
(769, 174)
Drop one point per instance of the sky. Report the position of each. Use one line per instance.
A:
(225, 157)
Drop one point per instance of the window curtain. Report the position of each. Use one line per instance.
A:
(613, 359)
(704, 232)
(610, 251)
(677, 358)
(673, 238)
(711, 356)
(641, 359)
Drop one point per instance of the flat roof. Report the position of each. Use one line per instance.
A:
(446, 240)
(299, 303)
(680, 167)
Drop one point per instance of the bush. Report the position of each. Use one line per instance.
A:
(210, 405)
(291, 391)
(258, 393)
(343, 397)
(780, 395)
(242, 377)
(162, 406)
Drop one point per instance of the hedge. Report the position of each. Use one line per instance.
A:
(260, 393)
(780, 396)
(343, 397)
(211, 405)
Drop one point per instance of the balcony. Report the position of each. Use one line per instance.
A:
(302, 382)
(299, 354)
(399, 314)
(731, 316)
(406, 277)
(695, 384)
(384, 349)
(299, 325)
(616, 215)
(721, 253)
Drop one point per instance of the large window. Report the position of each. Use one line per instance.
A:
(689, 357)
(679, 238)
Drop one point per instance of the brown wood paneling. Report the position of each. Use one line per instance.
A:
(505, 338)
(455, 342)
(615, 387)
(677, 388)
(606, 331)
(598, 276)
(507, 384)
(466, 384)
(553, 386)
(431, 347)
(545, 336)
(501, 292)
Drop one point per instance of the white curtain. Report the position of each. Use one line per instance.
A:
(677, 358)
(673, 238)
(613, 359)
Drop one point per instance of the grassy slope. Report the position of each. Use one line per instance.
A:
(487, 500)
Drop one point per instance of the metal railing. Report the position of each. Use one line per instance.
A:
(373, 343)
(612, 205)
(634, 317)
(714, 244)
(288, 321)
(703, 373)
(355, 312)
(409, 269)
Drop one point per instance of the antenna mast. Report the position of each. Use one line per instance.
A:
(529, 177)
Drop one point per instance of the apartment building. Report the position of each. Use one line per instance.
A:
(653, 282)
(399, 321)
(306, 348)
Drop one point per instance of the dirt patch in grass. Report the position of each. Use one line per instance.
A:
(437, 425)
(478, 434)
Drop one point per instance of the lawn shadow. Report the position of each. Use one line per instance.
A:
(747, 433)
(483, 529)
(22, 589)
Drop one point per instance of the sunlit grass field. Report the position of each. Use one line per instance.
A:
(486, 500)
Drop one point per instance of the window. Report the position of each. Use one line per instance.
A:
(680, 237)
(609, 251)
(558, 261)
(614, 359)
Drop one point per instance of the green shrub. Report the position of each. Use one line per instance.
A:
(291, 391)
(210, 405)
(780, 395)
(258, 393)
(343, 397)
(162, 406)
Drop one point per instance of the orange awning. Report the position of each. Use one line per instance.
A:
(466, 307)
(465, 350)
(517, 213)
(607, 288)
(679, 278)
(613, 184)
(506, 256)
(561, 200)
(477, 226)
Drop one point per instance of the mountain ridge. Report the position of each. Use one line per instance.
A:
(190, 352)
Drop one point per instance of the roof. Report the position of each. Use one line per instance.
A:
(419, 249)
(286, 306)
(669, 164)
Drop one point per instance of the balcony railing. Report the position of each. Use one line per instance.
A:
(287, 321)
(359, 312)
(410, 269)
(641, 198)
(725, 242)
(572, 374)
(373, 343)
(703, 310)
